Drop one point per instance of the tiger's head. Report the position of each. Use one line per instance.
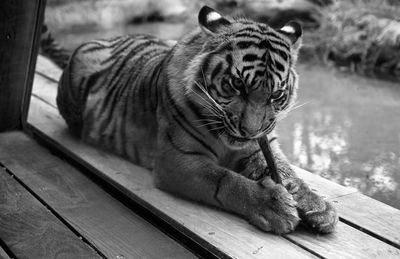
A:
(244, 73)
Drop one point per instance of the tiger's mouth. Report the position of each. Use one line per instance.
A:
(237, 138)
(234, 140)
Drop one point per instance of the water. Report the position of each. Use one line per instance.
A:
(348, 131)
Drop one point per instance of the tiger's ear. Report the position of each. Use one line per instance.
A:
(211, 21)
(294, 32)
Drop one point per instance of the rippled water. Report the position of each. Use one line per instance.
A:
(348, 129)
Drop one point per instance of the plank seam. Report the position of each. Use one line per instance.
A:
(369, 232)
(303, 247)
(7, 249)
(43, 100)
(58, 216)
(46, 76)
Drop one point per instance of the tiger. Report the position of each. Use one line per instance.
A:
(192, 110)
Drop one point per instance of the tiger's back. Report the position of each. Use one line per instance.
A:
(107, 98)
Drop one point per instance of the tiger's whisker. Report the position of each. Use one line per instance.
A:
(299, 106)
(208, 105)
(218, 128)
(209, 123)
(208, 95)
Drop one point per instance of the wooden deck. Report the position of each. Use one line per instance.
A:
(66, 203)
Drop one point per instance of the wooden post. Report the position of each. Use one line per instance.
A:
(20, 21)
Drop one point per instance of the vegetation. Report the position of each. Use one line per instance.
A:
(359, 35)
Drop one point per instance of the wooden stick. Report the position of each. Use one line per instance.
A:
(266, 149)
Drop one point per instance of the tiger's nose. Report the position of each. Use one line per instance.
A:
(248, 130)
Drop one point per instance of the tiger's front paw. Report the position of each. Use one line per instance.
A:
(313, 209)
(273, 208)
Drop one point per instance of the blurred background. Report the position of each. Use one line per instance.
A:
(347, 124)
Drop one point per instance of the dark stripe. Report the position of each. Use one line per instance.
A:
(183, 126)
(247, 158)
(194, 38)
(279, 43)
(219, 182)
(279, 66)
(193, 108)
(272, 70)
(116, 52)
(247, 35)
(259, 73)
(217, 92)
(153, 84)
(245, 68)
(246, 79)
(181, 150)
(229, 60)
(123, 129)
(203, 69)
(283, 55)
(207, 147)
(92, 49)
(112, 91)
(246, 44)
(123, 45)
(264, 44)
(250, 58)
(272, 139)
(216, 70)
(136, 156)
(248, 29)
(224, 47)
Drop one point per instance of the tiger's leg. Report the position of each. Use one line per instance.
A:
(192, 174)
(313, 209)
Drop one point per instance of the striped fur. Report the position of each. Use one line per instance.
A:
(192, 111)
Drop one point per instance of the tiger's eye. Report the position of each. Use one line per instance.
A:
(237, 83)
(227, 88)
(278, 94)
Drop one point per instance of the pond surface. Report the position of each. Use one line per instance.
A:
(348, 129)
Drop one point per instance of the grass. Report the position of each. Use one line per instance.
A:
(358, 35)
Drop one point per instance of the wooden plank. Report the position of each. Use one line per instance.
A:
(221, 233)
(18, 23)
(44, 89)
(3, 254)
(30, 230)
(47, 67)
(372, 215)
(190, 217)
(114, 229)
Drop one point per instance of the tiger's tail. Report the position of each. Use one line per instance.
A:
(51, 49)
